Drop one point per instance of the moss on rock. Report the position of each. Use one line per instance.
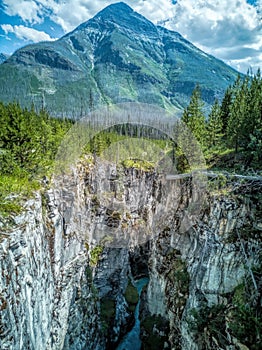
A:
(131, 296)
(154, 333)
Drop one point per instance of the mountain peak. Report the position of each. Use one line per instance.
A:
(123, 15)
(115, 7)
(116, 56)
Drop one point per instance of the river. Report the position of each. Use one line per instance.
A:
(131, 340)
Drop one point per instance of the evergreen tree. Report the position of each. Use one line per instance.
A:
(214, 125)
(194, 117)
(252, 125)
(237, 114)
(91, 101)
(28, 141)
(225, 109)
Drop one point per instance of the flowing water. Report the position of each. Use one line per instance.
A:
(131, 340)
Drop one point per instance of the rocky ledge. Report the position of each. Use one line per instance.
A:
(69, 260)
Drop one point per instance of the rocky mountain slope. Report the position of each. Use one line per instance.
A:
(117, 56)
(67, 263)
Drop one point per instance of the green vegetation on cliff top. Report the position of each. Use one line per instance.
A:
(28, 144)
(230, 138)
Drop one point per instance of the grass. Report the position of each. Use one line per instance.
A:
(138, 164)
(13, 191)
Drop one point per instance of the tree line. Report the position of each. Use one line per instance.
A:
(29, 140)
(235, 123)
(28, 145)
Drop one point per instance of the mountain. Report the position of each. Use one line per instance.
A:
(117, 56)
(3, 57)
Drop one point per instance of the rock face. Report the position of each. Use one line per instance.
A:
(204, 268)
(27, 295)
(45, 289)
(117, 56)
(67, 260)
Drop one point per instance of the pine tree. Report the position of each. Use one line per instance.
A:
(194, 117)
(28, 141)
(225, 108)
(252, 124)
(237, 114)
(214, 125)
(91, 101)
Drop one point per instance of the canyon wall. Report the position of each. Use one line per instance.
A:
(68, 260)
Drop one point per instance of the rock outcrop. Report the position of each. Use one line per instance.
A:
(67, 260)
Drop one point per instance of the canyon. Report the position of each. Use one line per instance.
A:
(70, 259)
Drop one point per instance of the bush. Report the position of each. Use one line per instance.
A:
(107, 312)
(154, 330)
(246, 318)
(131, 296)
(209, 323)
(95, 254)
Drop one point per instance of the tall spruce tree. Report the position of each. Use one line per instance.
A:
(28, 141)
(194, 117)
(225, 108)
(238, 113)
(214, 126)
(252, 125)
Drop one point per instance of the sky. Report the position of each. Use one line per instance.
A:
(229, 30)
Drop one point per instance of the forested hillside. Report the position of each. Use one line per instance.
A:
(28, 144)
(232, 134)
(115, 57)
(230, 138)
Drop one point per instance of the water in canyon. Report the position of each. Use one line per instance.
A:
(131, 340)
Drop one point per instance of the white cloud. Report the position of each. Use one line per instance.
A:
(25, 33)
(228, 30)
(28, 10)
(71, 13)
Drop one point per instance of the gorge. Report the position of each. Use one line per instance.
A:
(67, 261)
(113, 233)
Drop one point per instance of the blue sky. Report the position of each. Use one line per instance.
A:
(229, 30)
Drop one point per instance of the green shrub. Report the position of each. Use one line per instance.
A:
(245, 319)
(155, 330)
(138, 164)
(95, 255)
(14, 190)
(209, 323)
(107, 312)
(131, 295)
